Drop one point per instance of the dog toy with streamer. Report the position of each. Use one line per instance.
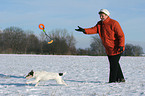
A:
(42, 27)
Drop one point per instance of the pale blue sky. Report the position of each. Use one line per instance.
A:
(68, 14)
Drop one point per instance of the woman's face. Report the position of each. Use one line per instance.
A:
(103, 16)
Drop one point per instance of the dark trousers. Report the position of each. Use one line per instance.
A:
(116, 74)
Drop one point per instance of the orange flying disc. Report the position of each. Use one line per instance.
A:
(41, 26)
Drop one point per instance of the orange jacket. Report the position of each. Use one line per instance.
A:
(111, 35)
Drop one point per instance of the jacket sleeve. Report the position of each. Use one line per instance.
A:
(92, 30)
(120, 35)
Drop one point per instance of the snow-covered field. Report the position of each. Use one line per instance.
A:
(86, 76)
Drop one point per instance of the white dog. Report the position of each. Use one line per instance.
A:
(43, 76)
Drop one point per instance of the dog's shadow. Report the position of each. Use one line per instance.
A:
(16, 84)
(80, 81)
(23, 84)
(11, 76)
(51, 85)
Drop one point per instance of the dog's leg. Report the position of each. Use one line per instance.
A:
(34, 81)
(60, 81)
(64, 82)
(37, 84)
(29, 82)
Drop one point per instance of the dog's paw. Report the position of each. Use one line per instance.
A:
(66, 84)
(27, 83)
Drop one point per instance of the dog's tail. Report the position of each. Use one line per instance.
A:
(61, 74)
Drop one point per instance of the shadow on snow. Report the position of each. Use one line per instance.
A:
(22, 77)
(10, 76)
(78, 81)
(16, 84)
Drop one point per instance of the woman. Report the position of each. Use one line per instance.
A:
(113, 40)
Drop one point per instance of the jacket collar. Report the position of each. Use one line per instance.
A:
(107, 20)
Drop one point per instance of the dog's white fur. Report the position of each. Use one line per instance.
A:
(43, 76)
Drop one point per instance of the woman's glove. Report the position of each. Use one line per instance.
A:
(80, 29)
(121, 49)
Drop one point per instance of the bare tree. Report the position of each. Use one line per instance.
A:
(96, 47)
(32, 45)
(70, 40)
(138, 50)
(85, 51)
(1, 42)
(63, 43)
(131, 50)
(14, 38)
(128, 50)
(42, 41)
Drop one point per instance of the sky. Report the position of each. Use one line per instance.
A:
(68, 14)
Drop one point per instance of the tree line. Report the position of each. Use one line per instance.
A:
(15, 40)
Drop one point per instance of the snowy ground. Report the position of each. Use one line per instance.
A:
(86, 76)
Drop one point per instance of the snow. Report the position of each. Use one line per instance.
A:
(86, 76)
